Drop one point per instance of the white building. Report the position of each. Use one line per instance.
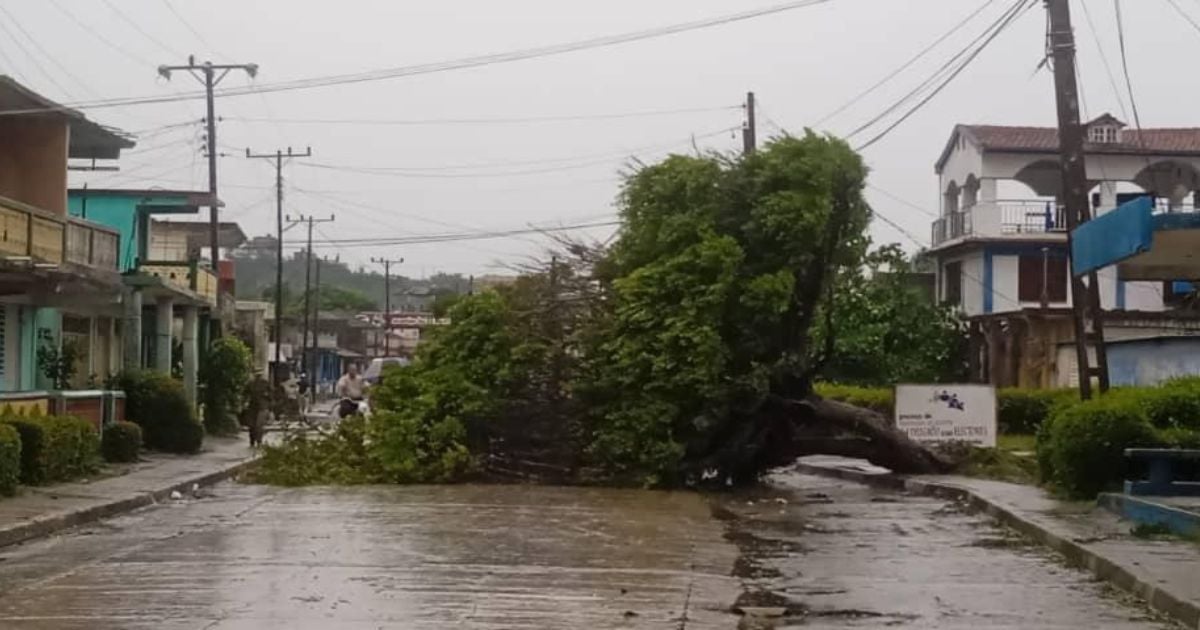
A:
(1001, 241)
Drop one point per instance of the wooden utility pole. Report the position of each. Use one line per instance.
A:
(308, 262)
(750, 127)
(312, 368)
(1085, 298)
(387, 299)
(278, 156)
(210, 75)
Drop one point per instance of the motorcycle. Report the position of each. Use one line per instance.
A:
(347, 407)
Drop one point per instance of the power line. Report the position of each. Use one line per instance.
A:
(452, 237)
(901, 200)
(906, 65)
(1011, 16)
(558, 164)
(53, 59)
(1112, 80)
(138, 27)
(95, 33)
(455, 64)
(28, 55)
(514, 120)
(188, 25)
(1137, 119)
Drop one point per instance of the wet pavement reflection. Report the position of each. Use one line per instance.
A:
(802, 551)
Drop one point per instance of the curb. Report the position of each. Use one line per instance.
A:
(45, 525)
(1077, 554)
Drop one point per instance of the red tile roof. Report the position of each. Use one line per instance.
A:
(998, 138)
(1161, 141)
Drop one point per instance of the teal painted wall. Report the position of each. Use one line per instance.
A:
(120, 213)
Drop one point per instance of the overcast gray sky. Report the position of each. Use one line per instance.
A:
(802, 64)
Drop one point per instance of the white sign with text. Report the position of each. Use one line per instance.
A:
(947, 413)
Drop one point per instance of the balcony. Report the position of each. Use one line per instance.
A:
(28, 234)
(1000, 219)
(184, 276)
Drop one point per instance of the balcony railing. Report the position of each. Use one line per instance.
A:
(1000, 219)
(188, 276)
(28, 233)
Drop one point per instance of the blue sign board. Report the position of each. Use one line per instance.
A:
(1112, 237)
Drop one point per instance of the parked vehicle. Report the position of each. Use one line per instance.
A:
(375, 369)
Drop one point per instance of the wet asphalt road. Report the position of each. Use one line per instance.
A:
(822, 554)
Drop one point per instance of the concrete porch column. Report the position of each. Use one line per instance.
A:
(164, 319)
(190, 349)
(132, 330)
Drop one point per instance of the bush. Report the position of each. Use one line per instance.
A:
(55, 448)
(1084, 444)
(877, 399)
(1174, 404)
(121, 442)
(1022, 411)
(10, 460)
(72, 447)
(34, 460)
(225, 372)
(156, 402)
(337, 458)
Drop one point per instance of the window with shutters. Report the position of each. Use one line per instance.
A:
(1034, 271)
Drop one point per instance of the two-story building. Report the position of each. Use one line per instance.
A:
(168, 293)
(1000, 244)
(59, 277)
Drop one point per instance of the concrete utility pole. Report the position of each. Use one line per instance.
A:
(387, 299)
(1085, 299)
(750, 127)
(278, 156)
(210, 75)
(308, 261)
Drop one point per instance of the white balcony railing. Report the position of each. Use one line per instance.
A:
(997, 219)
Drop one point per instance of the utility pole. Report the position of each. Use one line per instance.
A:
(308, 261)
(312, 372)
(278, 156)
(387, 299)
(750, 127)
(210, 75)
(1085, 299)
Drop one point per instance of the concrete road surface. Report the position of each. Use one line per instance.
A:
(803, 552)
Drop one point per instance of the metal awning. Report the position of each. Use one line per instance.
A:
(1143, 244)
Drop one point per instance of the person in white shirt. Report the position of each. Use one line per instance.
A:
(350, 387)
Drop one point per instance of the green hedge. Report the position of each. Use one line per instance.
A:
(121, 442)
(1022, 411)
(35, 462)
(1084, 445)
(10, 460)
(55, 448)
(156, 402)
(878, 399)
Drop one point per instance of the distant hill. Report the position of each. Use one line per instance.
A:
(255, 269)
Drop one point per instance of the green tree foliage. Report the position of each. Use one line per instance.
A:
(10, 460)
(717, 277)
(889, 330)
(225, 371)
(157, 403)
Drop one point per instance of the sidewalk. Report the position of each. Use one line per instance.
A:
(1165, 573)
(39, 511)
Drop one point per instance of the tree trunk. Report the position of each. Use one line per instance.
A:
(879, 442)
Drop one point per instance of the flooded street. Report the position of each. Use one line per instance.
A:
(802, 552)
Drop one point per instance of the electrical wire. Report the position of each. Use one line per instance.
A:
(1137, 119)
(1112, 79)
(906, 65)
(53, 59)
(188, 25)
(95, 33)
(1012, 16)
(517, 120)
(138, 27)
(450, 65)
(901, 200)
(32, 59)
(454, 237)
(559, 164)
